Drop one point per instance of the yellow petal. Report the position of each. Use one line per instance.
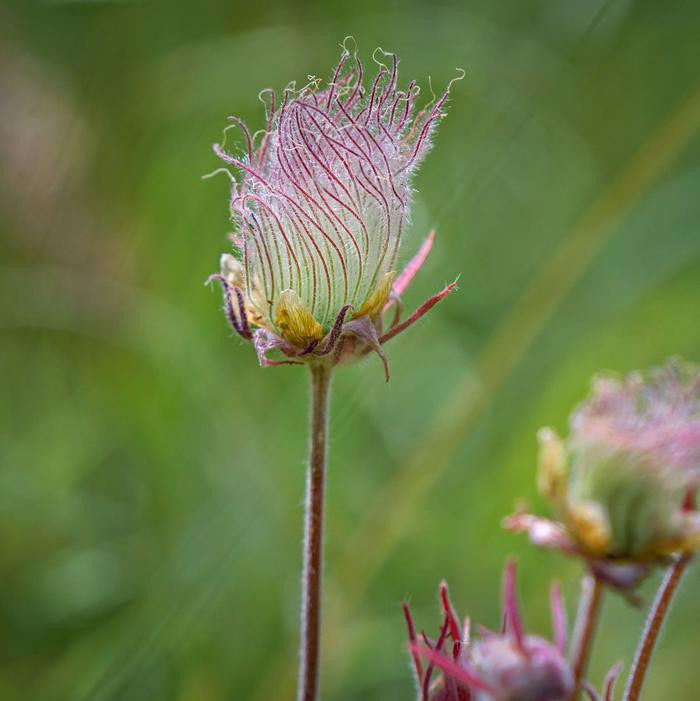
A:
(295, 322)
(551, 469)
(233, 271)
(689, 539)
(590, 526)
(375, 302)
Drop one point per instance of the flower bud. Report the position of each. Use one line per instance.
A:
(507, 666)
(537, 672)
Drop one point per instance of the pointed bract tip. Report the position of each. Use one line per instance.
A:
(510, 604)
(449, 613)
(610, 681)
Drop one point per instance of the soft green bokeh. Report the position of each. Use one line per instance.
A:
(152, 474)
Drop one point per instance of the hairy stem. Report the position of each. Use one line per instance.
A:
(310, 634)
(658, 611)
(584, 630)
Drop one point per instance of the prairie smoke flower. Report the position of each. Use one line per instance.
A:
(321, 205)
(622, 482)
(507, 666)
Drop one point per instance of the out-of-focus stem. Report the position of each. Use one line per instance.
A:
(655, 619)
(310, 632)
(584, 630)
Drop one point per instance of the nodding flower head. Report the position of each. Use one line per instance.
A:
(507, 666)
(621, 484)
(320, 200)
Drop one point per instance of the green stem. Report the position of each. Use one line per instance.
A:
(310, 635)
(656, 617)
(584, 630)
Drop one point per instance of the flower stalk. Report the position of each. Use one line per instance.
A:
(310, 624)
(584, 630)
(320, 200)
(652, 628)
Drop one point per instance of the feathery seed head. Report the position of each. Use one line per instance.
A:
(320, 202)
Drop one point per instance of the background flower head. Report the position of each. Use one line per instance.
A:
(621, 482)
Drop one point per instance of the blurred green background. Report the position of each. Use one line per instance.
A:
(152, 474)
